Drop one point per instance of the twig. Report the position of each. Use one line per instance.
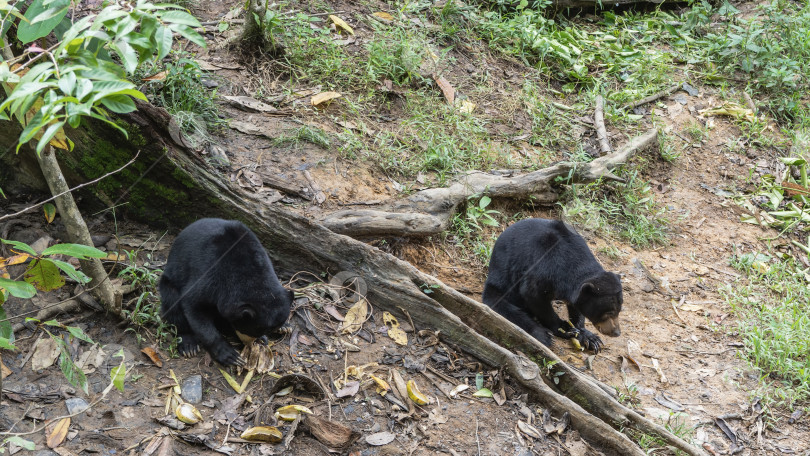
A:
(316, 189)
(653, 97)
(477, 441)
(70, 190)
(436, 385)
(750, 102)
(410, 320)
(675, 308)
(599, 123)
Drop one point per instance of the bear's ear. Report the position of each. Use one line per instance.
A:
(247, 313)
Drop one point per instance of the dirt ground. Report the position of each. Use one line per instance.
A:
(673, 316)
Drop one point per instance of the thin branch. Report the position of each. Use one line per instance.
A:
(653, 97)
(599, 122)
(8, 216)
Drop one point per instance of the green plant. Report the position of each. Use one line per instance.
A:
(143, 311)
(180, 90)
(627, 210)
(76, 77)
(773, 322)
(308, 133)
(42, 273)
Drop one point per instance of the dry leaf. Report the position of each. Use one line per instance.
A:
(250, 104)
(156, 77)
(324, 97)
(331, 310)
(153, 356)
(394, 331)
(45, 354)
(355, 317)
(380, 438)
(459, 389)
(436, 417)
(730, 109)
(330, 433)
(384, 16)
(349, 390)
(340, 23)
(4, 371)
(529, 430)
(447, 89)
(58, 434)
(692, 307)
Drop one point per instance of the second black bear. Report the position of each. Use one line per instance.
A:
(537, 261)
(218, 279)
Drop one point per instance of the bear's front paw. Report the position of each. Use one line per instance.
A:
(589, 340)
(227, 356)
(188, 345)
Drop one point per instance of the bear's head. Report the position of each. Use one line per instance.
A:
(600, 300)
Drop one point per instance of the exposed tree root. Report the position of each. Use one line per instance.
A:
(430, 211)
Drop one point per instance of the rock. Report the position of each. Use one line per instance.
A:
(76, 405)
(191, 389)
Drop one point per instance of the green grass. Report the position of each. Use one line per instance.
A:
(182, 93)
(770, 302)
(625, 210)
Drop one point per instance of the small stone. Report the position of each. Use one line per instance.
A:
(191, 389)
(76, 405)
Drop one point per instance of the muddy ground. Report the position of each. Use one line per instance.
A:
(673, 316)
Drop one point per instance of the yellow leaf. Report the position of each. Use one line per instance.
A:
(355, 317)
(340, 23)
(384, 16)
(232, 381)
(394, 331)
(324, 97)
(381, 384)
(50, 212)
(188, 414)
(416, 396)
(12, 260)
(291, 412)
(58, 434)
(262, 434)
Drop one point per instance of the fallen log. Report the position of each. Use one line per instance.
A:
(430, 211)
(189, 189)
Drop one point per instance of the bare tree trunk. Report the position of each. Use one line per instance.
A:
(77, 231)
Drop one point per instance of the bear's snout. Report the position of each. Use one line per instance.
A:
(609, 327)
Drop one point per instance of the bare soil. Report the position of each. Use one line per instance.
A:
(697, 349)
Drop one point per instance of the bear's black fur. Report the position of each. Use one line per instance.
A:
(537, 261)
(218, 279)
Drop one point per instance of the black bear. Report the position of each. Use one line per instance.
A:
(537, 261)
(218, 279)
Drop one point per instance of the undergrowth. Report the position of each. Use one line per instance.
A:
(625, 210)
(770, 301)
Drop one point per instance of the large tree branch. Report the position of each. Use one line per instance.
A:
(429, 212)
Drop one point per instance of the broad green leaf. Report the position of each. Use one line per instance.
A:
(128, 56)
(794, 161)
(21, 442)
(6, 344)
(118, 374)
(79, 251)
(50, 212)
(21, 246)
(71, 272)
(85, 86)
(484, 202)
(47, 17)
(189, 34)
(67, 83)
(179, 17)
(53, 137)
(18, 288)
(44, 275)
(6, 330)
(79, 334)
(163, 38)
(120, 104)
(72, 373)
